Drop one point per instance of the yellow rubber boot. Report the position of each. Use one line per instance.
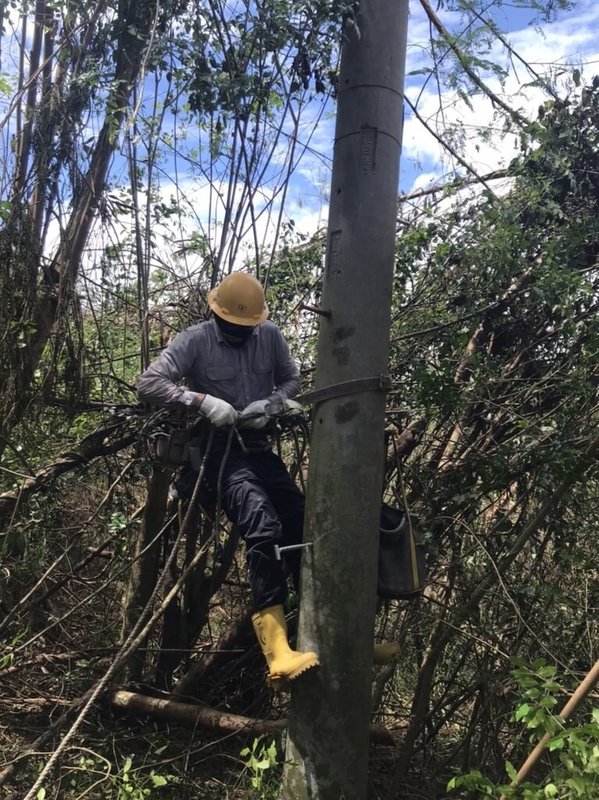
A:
(284, 664)
(385, 653)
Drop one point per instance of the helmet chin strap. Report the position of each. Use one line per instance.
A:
(234, 335)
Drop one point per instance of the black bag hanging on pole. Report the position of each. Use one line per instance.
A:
(402, 561)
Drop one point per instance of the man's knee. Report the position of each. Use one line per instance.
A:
(248, 506)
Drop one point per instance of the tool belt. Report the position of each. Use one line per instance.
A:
(181, 446)
(178, 446)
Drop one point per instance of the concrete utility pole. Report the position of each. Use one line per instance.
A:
(330, 708)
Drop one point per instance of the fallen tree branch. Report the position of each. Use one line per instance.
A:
(197, 716)
(453, 185)
(101, 442)
(212, 719)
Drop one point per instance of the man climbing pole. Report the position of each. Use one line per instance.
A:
(237, 366)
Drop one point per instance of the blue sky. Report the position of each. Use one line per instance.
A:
(552, 49)
(568, 42)
(555, 49)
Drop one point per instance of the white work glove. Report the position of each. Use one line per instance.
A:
(292, 405)
(219, 412)
(259, 413)
(254, 415)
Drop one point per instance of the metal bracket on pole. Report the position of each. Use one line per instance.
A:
(279, 550)
(376, 383)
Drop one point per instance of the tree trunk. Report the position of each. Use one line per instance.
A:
(135, 22)
(144, 569)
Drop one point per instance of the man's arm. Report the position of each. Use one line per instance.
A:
(286, 377)
(159, 383)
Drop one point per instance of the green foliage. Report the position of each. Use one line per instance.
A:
(521, 267)
(261, 760)
(294, 279)
(575, 772)
(131, 785)
(6, 653)
(236, 71)
(494, 350)
(126, 783)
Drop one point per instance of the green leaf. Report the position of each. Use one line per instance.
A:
(511, 771)
(548, 702)
(158, 780)
(41, 794)
(5, 209)
(578, 784)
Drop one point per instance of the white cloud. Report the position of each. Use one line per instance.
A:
(551, 52)
(477, 124)
(569, 41)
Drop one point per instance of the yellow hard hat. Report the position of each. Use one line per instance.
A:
(239, 298)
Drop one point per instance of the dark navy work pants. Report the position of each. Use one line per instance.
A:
(260, 498)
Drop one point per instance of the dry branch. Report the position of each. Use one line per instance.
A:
(445, 143)
(101, 442)
(223, 647)
(459, 54)
(212, 719)
(32, 705)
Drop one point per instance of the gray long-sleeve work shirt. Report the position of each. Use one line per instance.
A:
(209, 365)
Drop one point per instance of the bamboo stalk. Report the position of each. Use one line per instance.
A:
(584, 687)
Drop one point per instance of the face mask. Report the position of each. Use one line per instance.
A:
(234, 335)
